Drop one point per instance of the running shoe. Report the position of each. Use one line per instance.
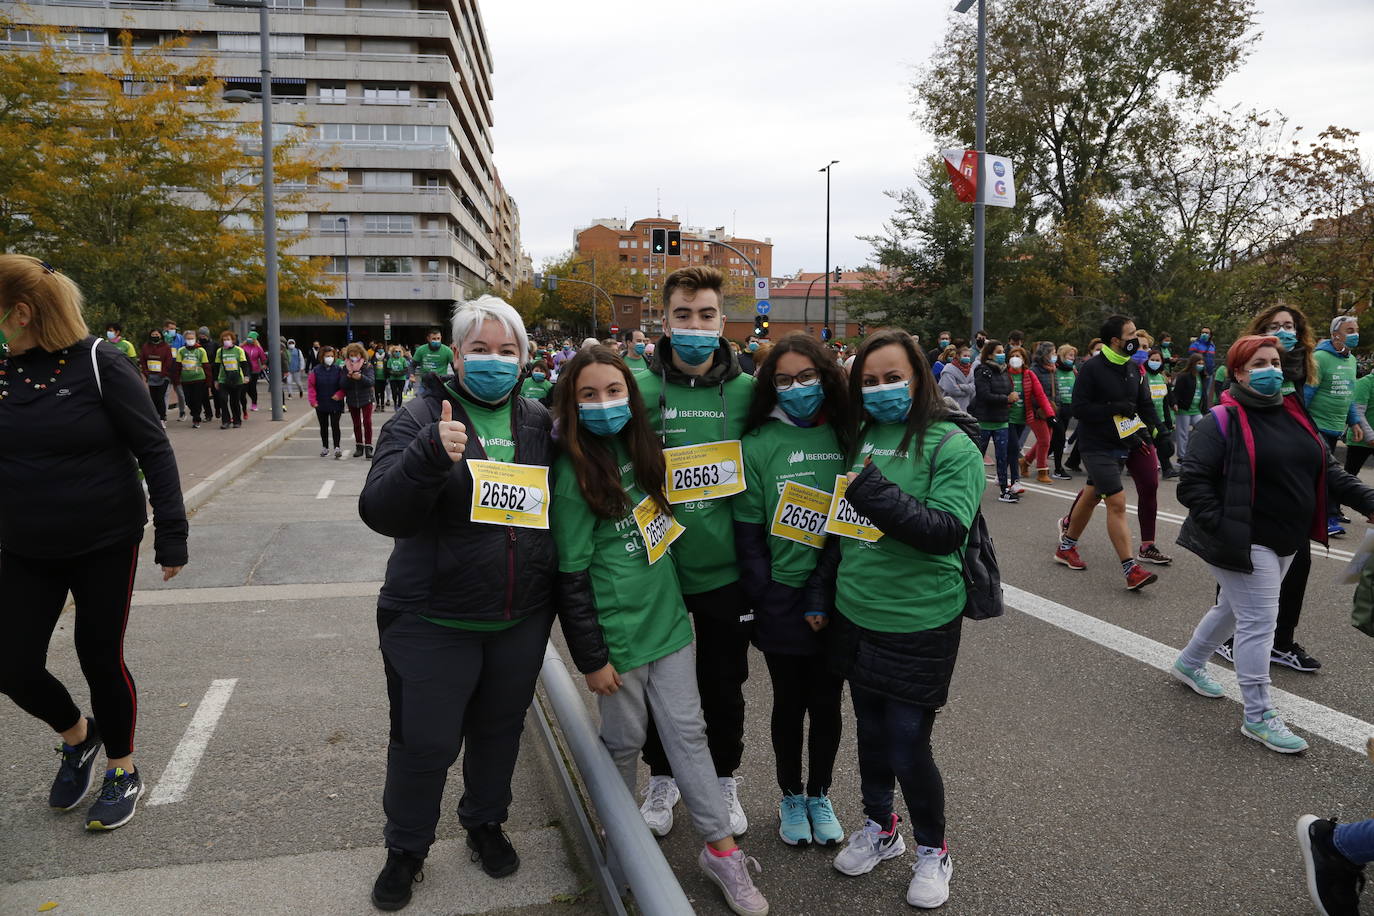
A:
(1197, 679)
(1017, 489)
(1273, 733)
(1063, 526)
(731, 874)
(119, 796)
(825, 826)
(1333, 881)
(659, 799)
(869, 846)
(338, 452)
(1153, 554)
(1171, 474)
(1342, 517)
(1138, 578)
(391, 890)
(1008, 496)
(929, 887)
(793, 824)
(1070, 558)
(492, 848)
(1334, 529)
(1227, 651)
(729, 790)
(324, 453)
(76, 771)
(1061, 474)
(1295, 657)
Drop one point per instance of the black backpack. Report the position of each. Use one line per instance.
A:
(982, 577)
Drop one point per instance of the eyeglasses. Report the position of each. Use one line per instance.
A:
(1284, 326)
(805, 377)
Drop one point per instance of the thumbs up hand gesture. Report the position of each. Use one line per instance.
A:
(453, 436)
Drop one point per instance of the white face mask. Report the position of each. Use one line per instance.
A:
(329, 360)
(1016, 362)
(226, 344)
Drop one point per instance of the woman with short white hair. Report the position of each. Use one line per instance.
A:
(467, 604)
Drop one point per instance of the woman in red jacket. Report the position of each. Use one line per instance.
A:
(1033, 410)
(159, 370)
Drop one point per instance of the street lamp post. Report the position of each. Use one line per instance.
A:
(269, 208)
(980, 126)
(348, 299)
(826, 324)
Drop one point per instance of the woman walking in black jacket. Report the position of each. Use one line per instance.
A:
(467, 604)
(77, 426)
(360, 395)
(992, 400)
(1255, 482)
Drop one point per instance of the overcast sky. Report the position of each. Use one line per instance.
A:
(728, 109)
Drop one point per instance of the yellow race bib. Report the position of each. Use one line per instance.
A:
(1125, 426)
(658, 528)
(1159, 389)
(154, 365)
(801, 514)
(190, 363)
(509, 494)
(231, 363)
(845, 520)
(712, 470)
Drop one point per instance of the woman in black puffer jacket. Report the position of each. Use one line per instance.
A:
(992, 400)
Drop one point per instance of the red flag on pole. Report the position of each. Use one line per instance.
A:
(962, 166)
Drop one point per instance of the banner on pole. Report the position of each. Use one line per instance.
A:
(962, 166)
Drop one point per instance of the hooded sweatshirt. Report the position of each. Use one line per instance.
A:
(1331, 402)
(691, 410)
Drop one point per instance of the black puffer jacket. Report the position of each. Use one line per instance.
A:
(444, 565)
(991, 385)
(913, 667)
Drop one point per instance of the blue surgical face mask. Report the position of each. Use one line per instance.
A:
(1140, 355)
(604, 418)
(801, 402)
(999, 358)
(966, 360)
(1266, 380)
(753, 345)
(1352, 340)
(490, 377)
(1289, 339)
(1054, 359)
(538, 376)
(639, 349)
(888, 403)
(1155, 365)
(695, 347)
(109, 335)
(434, 344)
(1068, 362)
(1203, 338)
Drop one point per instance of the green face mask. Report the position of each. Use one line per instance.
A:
(4, 339)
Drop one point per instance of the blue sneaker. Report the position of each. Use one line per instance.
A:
(76, 771)
(1271, 731)
(118, 798)
(825, 826)
(794, 826)
(1198, 679)
(1334, 529)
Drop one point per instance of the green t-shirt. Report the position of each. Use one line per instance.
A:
(892, 587)
(242, 364)
(636, 363)
(1017, 414)
(1330, 405)
(1364, 396)
(188, 355)
(640, 607)
(127, 348)
(1159, 391)
(1195, 407)
(379, 366)
(1063, 380)
(990, 426)
(397, 367)
(705, 554)
(438, 361)
(534, 389)
(774, 454)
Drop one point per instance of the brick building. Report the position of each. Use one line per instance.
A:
(798, 304)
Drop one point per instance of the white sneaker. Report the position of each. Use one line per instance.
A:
(659, 799)
(929, 886)
(729, 790)
(869, 846)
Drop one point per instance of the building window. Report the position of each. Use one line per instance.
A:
(386, 95)
(627, 309)
(388, 179)
(634, 243)
(248, 41)
(624, 257)
(432, 265)
(337, 265)
(388, 265)
(333, 94)
(389, 223)
(624, 244)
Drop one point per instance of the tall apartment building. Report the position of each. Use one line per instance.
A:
(397, 94)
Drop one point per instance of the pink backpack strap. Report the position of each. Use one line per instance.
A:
(1247, 435)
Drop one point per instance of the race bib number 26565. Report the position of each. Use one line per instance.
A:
(845, 520)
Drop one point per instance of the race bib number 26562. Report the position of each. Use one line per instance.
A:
(509, 494)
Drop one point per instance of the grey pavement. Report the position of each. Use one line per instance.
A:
(283, 812)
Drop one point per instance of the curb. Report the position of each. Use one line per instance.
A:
(202, 492)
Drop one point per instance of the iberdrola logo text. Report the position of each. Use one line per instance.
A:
(670, 413)
(796, 457)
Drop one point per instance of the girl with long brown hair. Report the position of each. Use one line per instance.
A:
(620, 603)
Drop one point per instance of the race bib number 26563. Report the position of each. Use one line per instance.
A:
(712, 470)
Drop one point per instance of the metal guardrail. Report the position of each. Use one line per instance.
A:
(631, 855)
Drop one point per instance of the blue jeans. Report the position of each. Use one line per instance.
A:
(1006, 468)
(1356, 841)
(894, 747)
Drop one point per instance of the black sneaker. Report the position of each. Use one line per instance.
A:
(1333, 881)
(224, 425)
(1342, 517)
(357, 451)
(1061, 474)
(367, 452)
(1008, 496)
(491, 847)
(76, 771)
(1293, 656)
(391, 890)
(1171, 474)
(1227, 651)
(118, 798)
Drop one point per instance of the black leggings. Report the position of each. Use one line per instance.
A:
(379, 392)
(1061, 429)
(197, 397)
(102, 585)
(251, 389)
(398, 386)
(328, 420)
(801, 685)
(231, 403)
(1355, 457)
(159, 395)
(894, 749)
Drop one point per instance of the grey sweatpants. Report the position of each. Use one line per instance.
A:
(1183, 430)
(1247, 606)
(668, 687)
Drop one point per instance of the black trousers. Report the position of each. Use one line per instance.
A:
(894, 748)
(451, 688)
(1355, 457)
(231, 403)
(34, 590)
(251, 389)
(197, 396)
(158, 393)
(398, 386)
(804, 685)
(722, 651)
(1061, 429)
(1291, 594)
(328, 420)
(379, 392)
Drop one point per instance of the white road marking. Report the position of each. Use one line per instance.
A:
(324, 490)
(1330, 553)
(252, 594)
(1336, 727)
(176, 777)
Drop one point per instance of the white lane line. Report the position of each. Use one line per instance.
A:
(1336, 727)
(324, 490)
(176, 777)
(1331, 553)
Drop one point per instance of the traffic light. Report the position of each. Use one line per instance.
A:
(674, 243)
(660, 241)
(758, 325)
(861, 329)
(837, 275)
(763, 323)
